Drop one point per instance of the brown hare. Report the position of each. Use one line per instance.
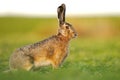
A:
(51, 51)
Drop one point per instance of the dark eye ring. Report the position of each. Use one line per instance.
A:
(67, 27)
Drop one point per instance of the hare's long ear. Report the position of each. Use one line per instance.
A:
(61, 13)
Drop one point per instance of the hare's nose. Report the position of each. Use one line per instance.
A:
(76, 35)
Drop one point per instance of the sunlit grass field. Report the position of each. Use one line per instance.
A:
(94, 54)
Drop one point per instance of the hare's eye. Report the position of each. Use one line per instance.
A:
(67, 27)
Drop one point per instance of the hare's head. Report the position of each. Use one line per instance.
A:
(65, 29)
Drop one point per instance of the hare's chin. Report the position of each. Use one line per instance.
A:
(74, 36)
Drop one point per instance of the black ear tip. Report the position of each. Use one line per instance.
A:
(63, 5)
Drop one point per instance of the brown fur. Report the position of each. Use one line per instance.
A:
(51, 51)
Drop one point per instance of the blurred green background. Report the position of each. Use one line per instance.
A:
(94, 54)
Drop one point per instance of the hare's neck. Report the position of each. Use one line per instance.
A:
(62, 42)
(63, 39)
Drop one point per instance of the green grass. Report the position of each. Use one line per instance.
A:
(89, 59)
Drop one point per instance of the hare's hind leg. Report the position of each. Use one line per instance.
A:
(27, 65)
(21, 61)
(28, 62)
